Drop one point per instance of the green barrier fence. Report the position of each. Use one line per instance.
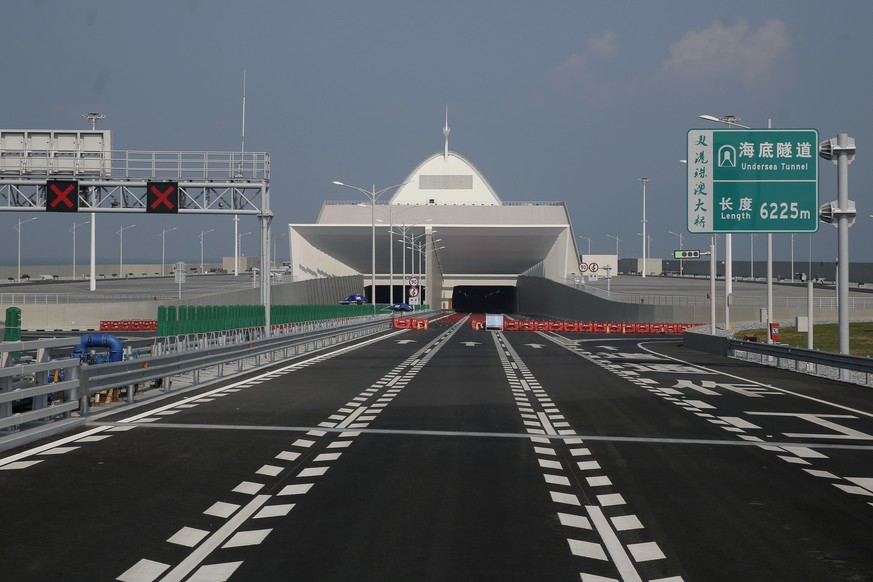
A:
(184, 319)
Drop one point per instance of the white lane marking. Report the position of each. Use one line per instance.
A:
(626, 522)
(646, 552)
(547, 425)
(565, 498)
(59, 450)
(144, 571)
(762, 385)
(247, 538)
(269, 470)
(610, 499)
(274, 511)
(19, 465)
(299, 489)
(214, 572)
(613, 545)
(222, 509)
(248, 488)
(571, 520)
(587, 549)
(185, 567)
(188, 536)
(51, 445)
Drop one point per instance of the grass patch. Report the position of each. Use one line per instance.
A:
(825, 337)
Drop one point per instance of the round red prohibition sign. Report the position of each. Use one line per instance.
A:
(583, 267)
(413, 291)
(593, 267)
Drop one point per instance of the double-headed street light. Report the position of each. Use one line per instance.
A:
(18, 228)
(373, 195)
(163, 246)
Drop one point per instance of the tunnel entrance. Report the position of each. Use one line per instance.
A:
(484, 299)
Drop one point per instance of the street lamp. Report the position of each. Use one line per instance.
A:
(73, 230)
(120, 234)
(239, 241)
(645, 253)
(589, 242)
(18, 228)
(163, 237)
(373, 195)
(681, 242)
(202, 234)
(617, 240)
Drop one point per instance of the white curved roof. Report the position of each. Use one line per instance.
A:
(446, 178)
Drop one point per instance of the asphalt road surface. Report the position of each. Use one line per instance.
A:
(453, 454)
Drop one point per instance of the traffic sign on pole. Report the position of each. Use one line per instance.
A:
(752, 180)
(583, 267)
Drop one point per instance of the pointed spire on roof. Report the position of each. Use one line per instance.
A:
(446, 132)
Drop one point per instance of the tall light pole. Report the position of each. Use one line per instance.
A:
(589, 242)
(120, 234)
(644, 181)
(681, 242)
(617, 240)
(163, 246)
(202, 234)
(373, 195)
(73, 230)
(93, 117)
(18, 228)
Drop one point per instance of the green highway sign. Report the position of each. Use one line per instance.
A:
(686, 254)
(752, 180)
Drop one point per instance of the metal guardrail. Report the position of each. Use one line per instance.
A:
(739, 300)
(854, 369)
(49, 402)
(191, 362)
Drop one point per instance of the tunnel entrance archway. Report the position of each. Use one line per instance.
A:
(484, 299)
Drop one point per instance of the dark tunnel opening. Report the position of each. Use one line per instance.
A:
(484, 299)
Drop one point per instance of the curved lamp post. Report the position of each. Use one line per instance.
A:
(373, 195)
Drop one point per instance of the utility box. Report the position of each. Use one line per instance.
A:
(802, 323)
(762, 314)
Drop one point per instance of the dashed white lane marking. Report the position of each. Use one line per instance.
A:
(352, 411)
(178, 573)
(550, 423)
(613, 545)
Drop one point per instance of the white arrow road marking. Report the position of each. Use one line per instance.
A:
(470, 344)
(536, 346)
(406, 341)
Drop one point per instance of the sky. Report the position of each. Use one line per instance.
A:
(570, 101)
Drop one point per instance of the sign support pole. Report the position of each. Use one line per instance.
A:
(769, 285)
(712, 284)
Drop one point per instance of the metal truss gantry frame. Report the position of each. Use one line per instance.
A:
(216, 183)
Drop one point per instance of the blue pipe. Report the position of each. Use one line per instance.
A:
(101, 340)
